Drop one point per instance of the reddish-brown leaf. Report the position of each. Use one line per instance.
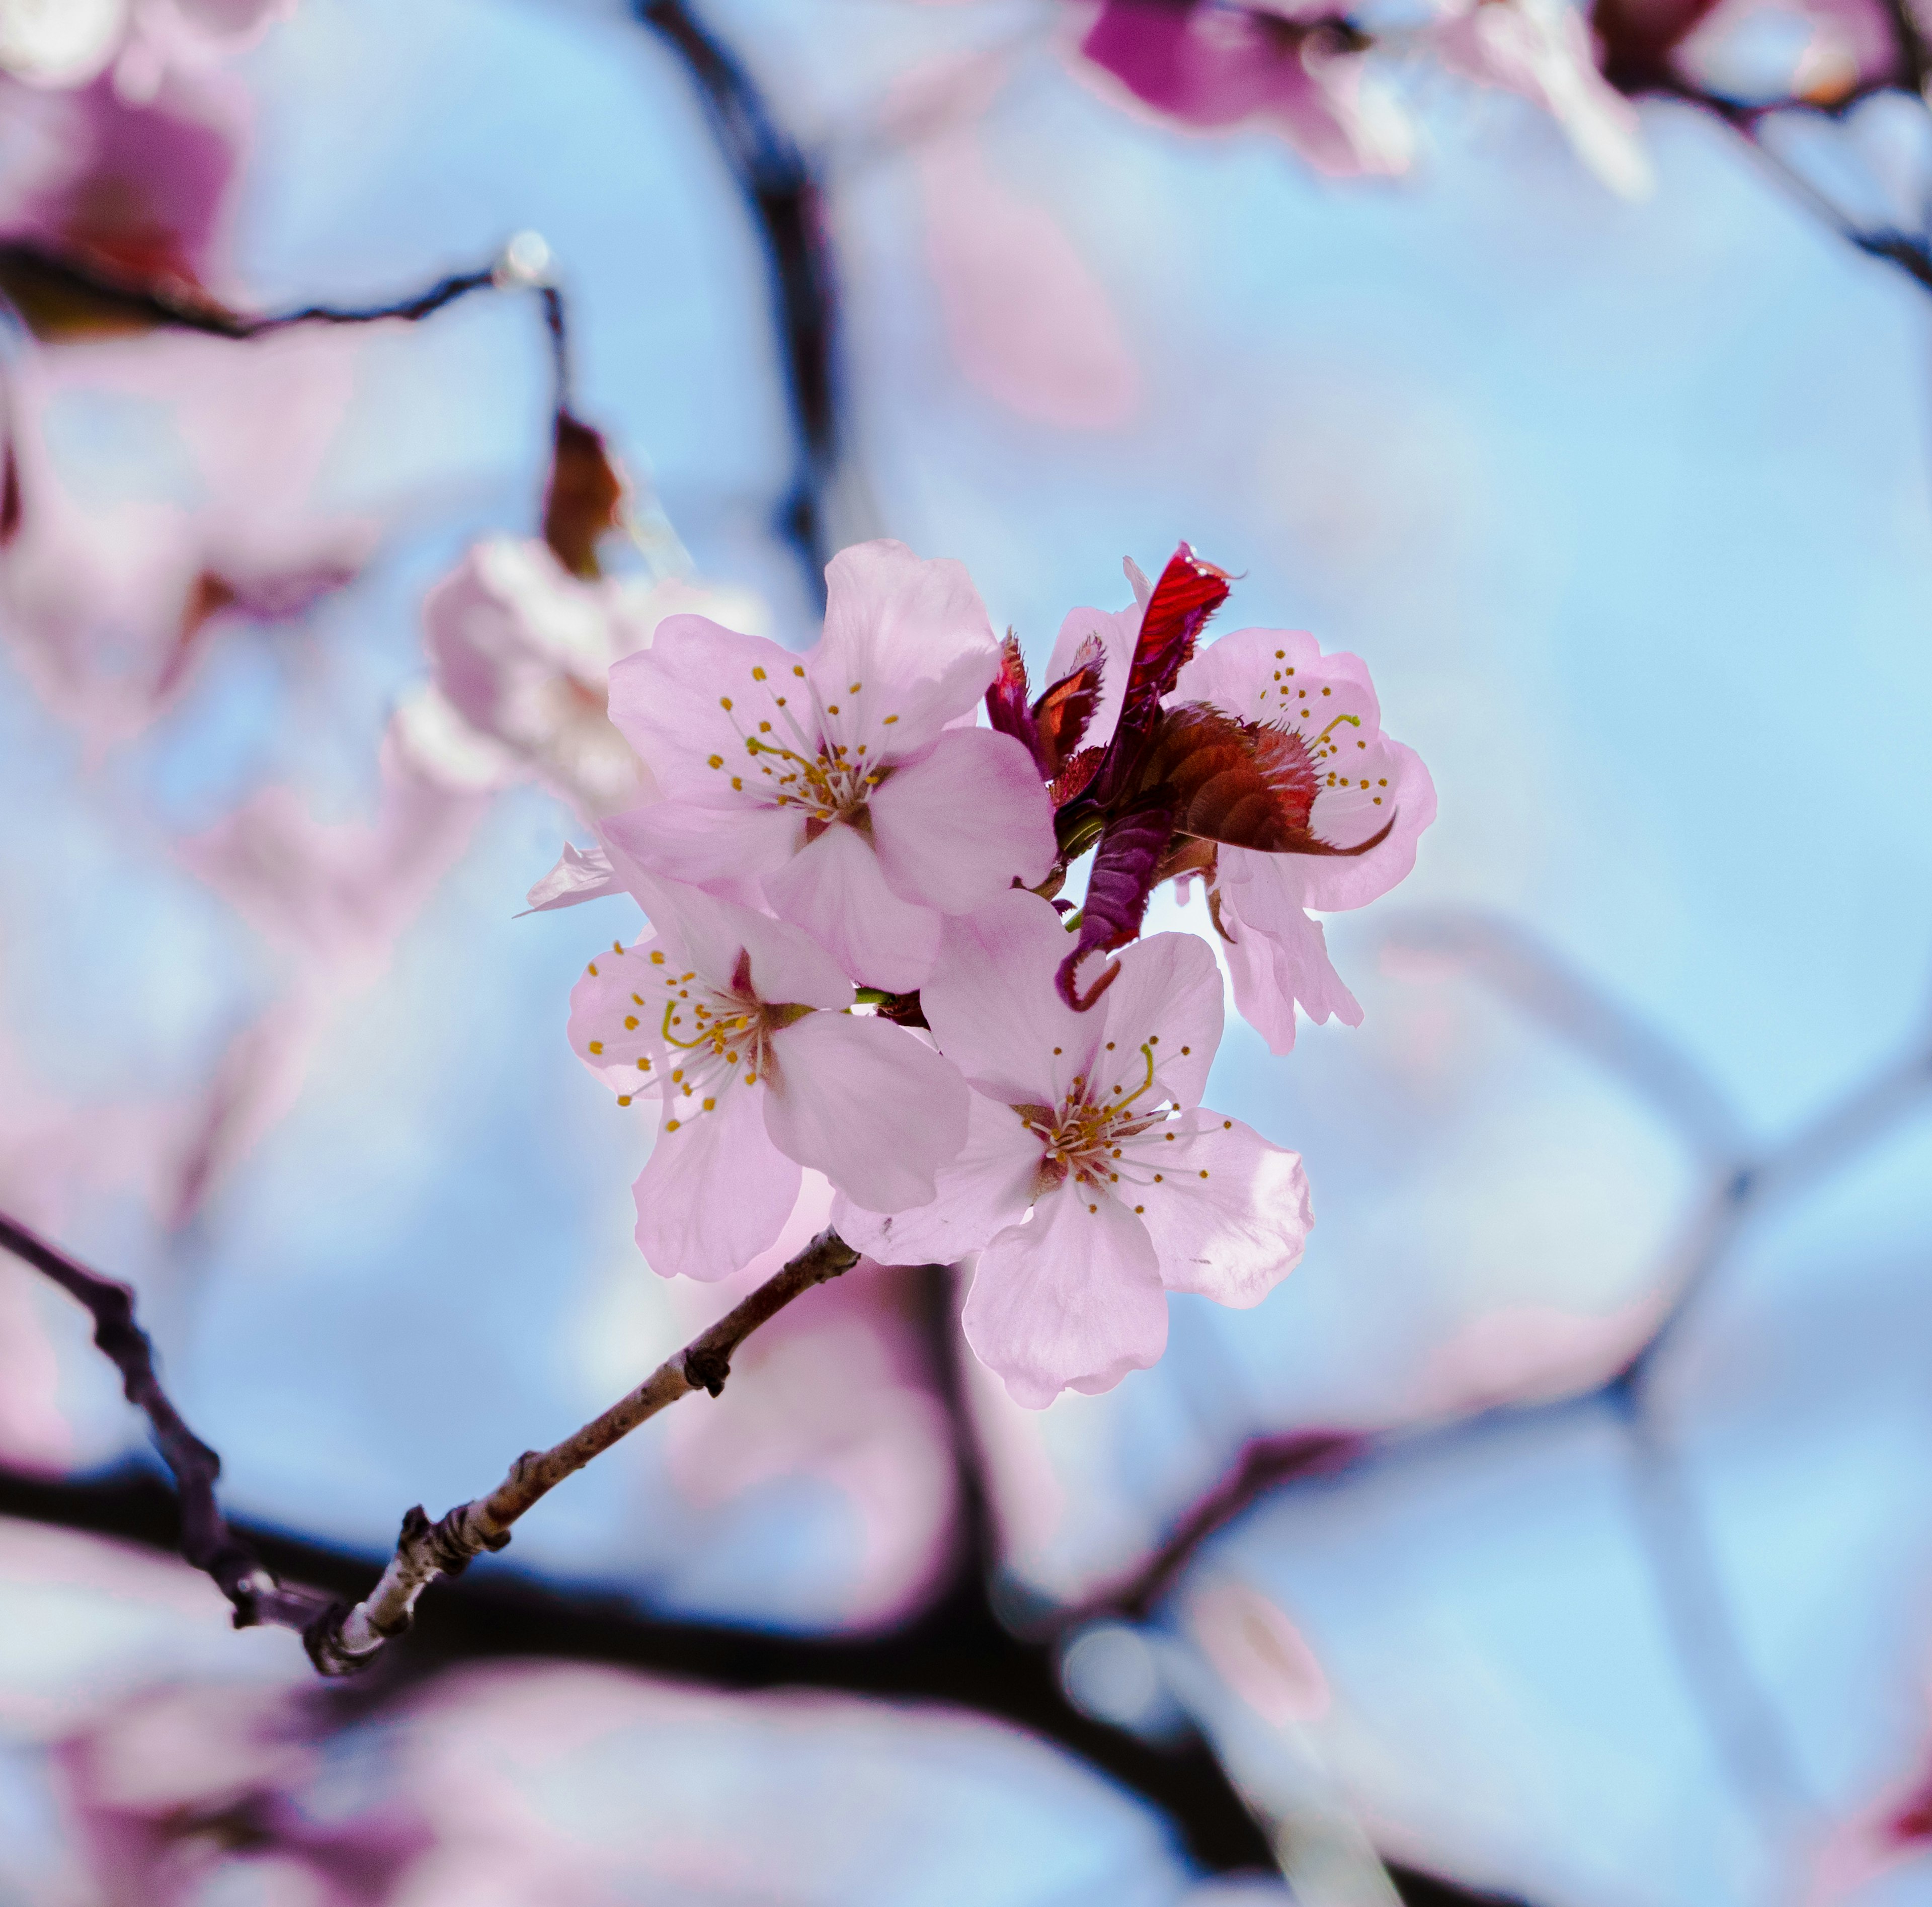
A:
(1006, 707)
(1245, 784)
(587, 496)
(1075, 774)
(1061, 715)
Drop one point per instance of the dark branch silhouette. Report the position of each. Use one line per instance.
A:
(206, 1540)
(341, 1638)
(784, 199)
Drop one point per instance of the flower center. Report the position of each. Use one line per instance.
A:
(798, 764)
(713, 1039)
(1083, 1135)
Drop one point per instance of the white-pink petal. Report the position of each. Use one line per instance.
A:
(1230, 1213)
(990, 1001)
(1277, 955)
(908, 636)
(689, 704)
(708, 935)
(869, 1104)
(1167, 999)
(580, 874)
(836, 891)
(724, 850)
(985, 1188)
(1071, 1301)
(715, 1193)
(957, 827)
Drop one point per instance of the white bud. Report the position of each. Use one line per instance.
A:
(525, 261)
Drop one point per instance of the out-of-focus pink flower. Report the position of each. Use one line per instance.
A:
(522, 651)
(1542, 50)
(1363, 781)
(164, 486)
(714, 1017)
(1092, 1182)
(834, 786)
(1298, 69)
(1028, 321)
(61, 43)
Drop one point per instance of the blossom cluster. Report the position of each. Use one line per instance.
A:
(861, 961)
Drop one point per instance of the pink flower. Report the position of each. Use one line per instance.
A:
(723, 1016)
(1363, 781)
(833, 787)
(1092, 1182)
(522, 650)
(1299, 69)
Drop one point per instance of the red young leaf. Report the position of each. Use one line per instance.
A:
(1245, 784)
(1076, 772)
(1061, 715)
(1122, 876)
(1189, 592)
(1006, 708)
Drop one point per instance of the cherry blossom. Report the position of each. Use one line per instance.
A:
(1092, 1182)
(522, 651)
(731, 1020)
(838, 787)
(1362, 784)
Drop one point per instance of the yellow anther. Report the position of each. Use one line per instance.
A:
(596, 1046)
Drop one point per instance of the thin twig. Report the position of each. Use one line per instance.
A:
(26, 269)
(341, 1639)
(425, 1550)
(206, 1540)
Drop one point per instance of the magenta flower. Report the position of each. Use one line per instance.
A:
(1298, 68)
(1357, 783)
(729, 1018)
(833, 787)
(1092, 1182)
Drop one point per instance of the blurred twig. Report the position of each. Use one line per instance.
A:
(784, 198)
(342, 1638)
(206, 1540)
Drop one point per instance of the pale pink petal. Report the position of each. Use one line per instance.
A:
(724, 850)
(1253, 673)
(869, 1104)
(1027, 319)
(836, 891)
(1164, 1006)
(612, 1030)
(691, 704)
(991, 1003)
(903, 637)
(1072, 1300)
(988, 1187)
(1277, 956)
(716, 1192)
(957, 827)
(1398, 785)
(709, 934)
(1228, 1212)
(1119, 630)
(580, 874)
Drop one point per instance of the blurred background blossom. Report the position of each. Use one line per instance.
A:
(1557, 1530)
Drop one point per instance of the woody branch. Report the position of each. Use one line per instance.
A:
(342, 1640)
